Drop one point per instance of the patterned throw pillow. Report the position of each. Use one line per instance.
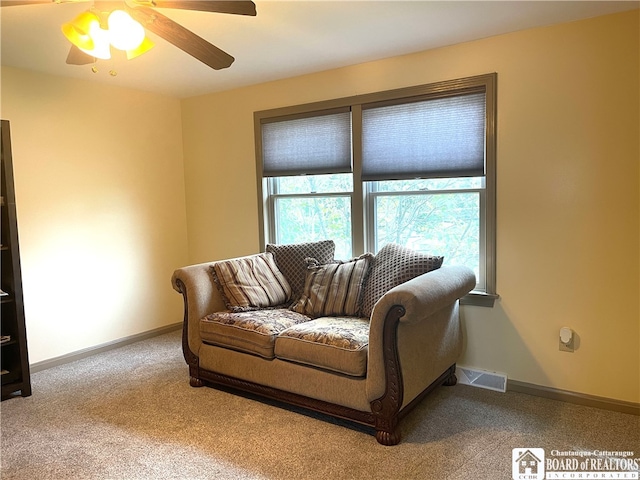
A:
(251, 283)
(291, 260)
(333, 289)
(394, 265)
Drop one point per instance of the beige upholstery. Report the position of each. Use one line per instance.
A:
(428, 332)
(428, 340)
(289, 376)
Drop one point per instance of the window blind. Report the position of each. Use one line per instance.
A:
(435, 138)
(309, 145)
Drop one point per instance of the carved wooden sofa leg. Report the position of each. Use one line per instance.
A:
(451, 380)
(387, 432)
(386, 410)
(195, 382)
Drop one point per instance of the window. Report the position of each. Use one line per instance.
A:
(442, 217)
(312, 207)
(414, 166)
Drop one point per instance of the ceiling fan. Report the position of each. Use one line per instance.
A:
(142, 11)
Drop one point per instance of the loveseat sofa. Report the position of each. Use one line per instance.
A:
(362, 340)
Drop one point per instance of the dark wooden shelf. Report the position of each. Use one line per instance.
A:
(15, 359)
(10, 378)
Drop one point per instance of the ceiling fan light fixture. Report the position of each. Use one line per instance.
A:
(78, 30)
(101, 46)
(124, 32)
(94, 32)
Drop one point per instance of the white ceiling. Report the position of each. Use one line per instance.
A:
(285, 39)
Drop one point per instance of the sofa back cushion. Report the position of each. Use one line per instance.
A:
(290, 259)
(251, 283)
(394, 265)
(334, 289)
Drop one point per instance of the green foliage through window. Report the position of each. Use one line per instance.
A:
(312, 218)
(445, 224)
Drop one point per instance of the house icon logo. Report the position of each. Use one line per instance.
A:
(527, 463)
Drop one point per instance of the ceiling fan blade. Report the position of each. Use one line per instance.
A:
(182, 38)
(78, 57)
(233, 7)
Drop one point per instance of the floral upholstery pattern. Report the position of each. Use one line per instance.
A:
(334, 343)
(252, 332)
(340, 333)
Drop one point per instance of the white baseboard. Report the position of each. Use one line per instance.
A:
(87, 352)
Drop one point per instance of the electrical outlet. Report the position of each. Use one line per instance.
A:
(566, 339)
(566, 347)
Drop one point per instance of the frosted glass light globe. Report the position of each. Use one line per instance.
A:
(100, 37)
(124, 32)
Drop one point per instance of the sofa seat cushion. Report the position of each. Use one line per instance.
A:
(252, 332)
(339, 344)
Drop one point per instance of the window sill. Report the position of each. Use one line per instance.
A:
(479, 299)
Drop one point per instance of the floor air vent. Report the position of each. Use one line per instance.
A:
(480, 378)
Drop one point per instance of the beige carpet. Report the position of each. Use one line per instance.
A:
(130, 414)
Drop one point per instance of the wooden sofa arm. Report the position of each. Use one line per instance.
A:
(414, 337)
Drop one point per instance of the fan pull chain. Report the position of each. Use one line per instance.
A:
(113, 72)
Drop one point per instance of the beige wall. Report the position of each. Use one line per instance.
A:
(101, 210)
(568, 183)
